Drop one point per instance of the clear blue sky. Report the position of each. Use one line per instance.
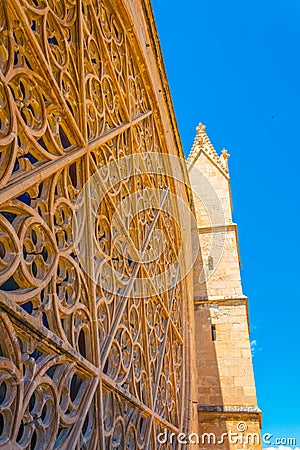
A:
(235, 66)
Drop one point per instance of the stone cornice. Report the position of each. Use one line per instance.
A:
(229, 409)
(234, 412)
(217, 227)
(216, 299)
(232, 300)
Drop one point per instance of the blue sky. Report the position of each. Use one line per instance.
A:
(235, 66)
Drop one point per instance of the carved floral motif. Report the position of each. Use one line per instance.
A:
(82, 365)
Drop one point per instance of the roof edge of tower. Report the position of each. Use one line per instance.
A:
(203, 144)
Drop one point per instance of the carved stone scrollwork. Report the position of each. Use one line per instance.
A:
(90, 357)
(124, 425)
(42, 395)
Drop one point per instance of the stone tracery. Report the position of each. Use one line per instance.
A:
(72, 100)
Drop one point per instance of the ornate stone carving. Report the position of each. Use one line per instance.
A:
(82, 365)
(202, 143)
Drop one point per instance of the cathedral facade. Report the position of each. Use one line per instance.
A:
(123, 322)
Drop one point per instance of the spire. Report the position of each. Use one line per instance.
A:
(202, 143)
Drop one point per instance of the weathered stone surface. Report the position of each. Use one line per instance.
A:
(226, 388)
(90, 358)
(85, 363)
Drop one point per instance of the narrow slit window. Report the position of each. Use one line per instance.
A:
(210, 263)
(213, 333)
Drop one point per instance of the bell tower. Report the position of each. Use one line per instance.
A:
(228, 415)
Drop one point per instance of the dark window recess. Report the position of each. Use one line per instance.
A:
(63, 137)
(210, 263)
(213, 333)
(73, 174)
(81, 343)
